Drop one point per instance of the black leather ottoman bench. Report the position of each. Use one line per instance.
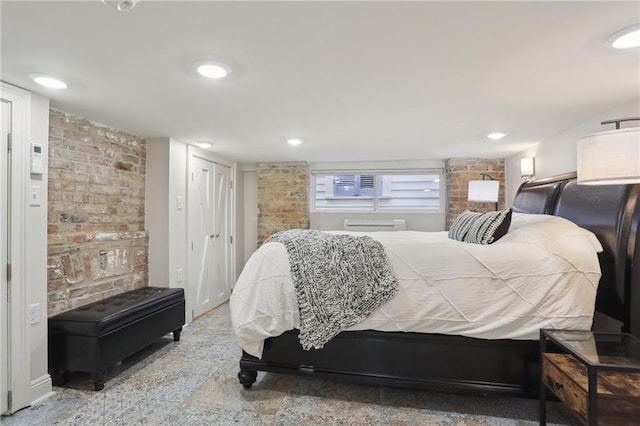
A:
(96, 336)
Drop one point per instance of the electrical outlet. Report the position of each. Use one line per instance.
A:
(103, 259)
(34, 313)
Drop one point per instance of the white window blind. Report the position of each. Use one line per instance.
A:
(372, 191)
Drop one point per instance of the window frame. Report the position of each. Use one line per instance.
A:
(441, 173)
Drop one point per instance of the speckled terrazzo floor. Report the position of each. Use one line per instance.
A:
(193, 382)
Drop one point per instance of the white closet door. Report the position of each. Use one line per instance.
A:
(222, 243)
(201, 236)
(209, 229)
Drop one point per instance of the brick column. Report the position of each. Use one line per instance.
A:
(97, 245)
(461, 171)
(282, 198)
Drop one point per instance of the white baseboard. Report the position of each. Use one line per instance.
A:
(41, 388)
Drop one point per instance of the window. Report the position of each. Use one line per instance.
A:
(376, 192)
(353, 185)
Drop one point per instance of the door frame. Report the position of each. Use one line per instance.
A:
(18, 339)
(5, 169)
(193, 151)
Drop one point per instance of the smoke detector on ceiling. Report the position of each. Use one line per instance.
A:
(121, 5)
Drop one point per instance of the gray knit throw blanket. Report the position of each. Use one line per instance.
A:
(339, 281)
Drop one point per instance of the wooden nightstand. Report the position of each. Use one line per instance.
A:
(582, 361)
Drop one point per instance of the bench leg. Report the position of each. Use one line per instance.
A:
(176, 334)
(247, 378)
(59, 377)
(98, 381)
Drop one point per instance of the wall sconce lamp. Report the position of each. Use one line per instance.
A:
(484, 190)
(610, 157)
(527, 167)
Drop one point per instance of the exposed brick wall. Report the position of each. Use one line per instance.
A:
(461, 171)
(282, 198)
(97, 245)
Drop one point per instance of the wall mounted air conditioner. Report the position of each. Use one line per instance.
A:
(369, 225)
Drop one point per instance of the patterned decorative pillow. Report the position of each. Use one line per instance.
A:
(480, 228)
(462, 224)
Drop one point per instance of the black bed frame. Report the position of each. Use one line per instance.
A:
(456, 363)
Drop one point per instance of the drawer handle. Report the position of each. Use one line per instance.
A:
(559, 385)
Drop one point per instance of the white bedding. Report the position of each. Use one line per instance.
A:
(543, 274)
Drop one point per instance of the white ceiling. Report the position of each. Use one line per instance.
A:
(357, 80)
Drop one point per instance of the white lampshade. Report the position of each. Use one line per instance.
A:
(611, 157)
(484, 190)
(527, 167)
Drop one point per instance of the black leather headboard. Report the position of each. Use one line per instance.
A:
(538, 199)
(612, 213)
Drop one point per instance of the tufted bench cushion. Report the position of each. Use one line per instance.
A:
(101, 317)
(93, 337)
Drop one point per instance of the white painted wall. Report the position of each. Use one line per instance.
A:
(177, 244)
(28, 342)
(512, 172)
(250, 211)
(238, 226)
(557, 154)
(415, 221)
(165, 219)
(378, 166)
(157, 210)
(36, 251)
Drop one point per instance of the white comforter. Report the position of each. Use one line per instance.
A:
(543, 274)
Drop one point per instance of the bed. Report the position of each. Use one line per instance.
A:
(477, 360)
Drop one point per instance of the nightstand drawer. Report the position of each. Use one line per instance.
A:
(618, 393)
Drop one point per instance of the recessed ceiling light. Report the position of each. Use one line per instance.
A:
(496, 135)
(294, 141)
(625, 38)
(204, 144)
(212, 70)
(48, 81)
(121, 5)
